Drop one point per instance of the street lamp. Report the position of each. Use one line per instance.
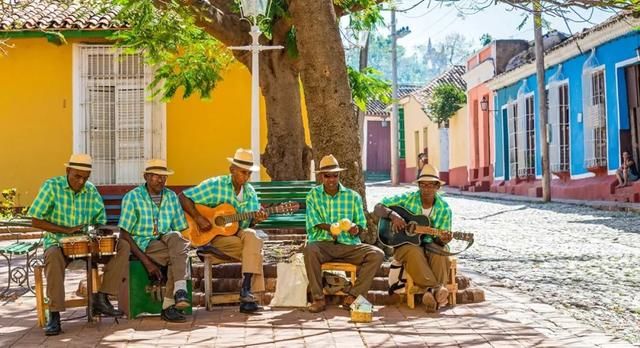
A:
(484, 104)
(251, 11)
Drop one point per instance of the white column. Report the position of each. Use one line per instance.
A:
(255, 99)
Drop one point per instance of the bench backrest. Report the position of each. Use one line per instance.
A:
(269, 193)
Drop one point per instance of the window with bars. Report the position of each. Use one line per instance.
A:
(115, 120)
(559, 146)
(594, 110)
(598, 116)
(527, 136)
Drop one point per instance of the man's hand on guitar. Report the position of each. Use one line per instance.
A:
(203, 223)
(260, 216)
(446, 237)
(397, 222)
(354, 230)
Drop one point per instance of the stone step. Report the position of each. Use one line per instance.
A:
(234, 270)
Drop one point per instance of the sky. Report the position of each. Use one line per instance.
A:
(437, 21)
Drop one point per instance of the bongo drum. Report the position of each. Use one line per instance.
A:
(103, 245)
(75, 246)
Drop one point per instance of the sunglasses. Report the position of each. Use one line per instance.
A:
(334, 175)
(429, 184)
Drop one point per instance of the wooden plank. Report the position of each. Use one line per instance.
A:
(223, 298)
(39, 296)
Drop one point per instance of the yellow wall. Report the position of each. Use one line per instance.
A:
(415, 120)
(35, 114)
(36, 120)
(459, 139)
(202, 134)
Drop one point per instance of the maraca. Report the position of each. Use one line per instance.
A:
(335, 229)
(345, 224)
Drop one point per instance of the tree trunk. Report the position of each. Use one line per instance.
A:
(332, 119)
(287, 156)
(542, 100)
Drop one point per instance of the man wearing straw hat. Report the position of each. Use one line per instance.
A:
(328, 204)
(245, 246)
(151, 221)
(428, 270)
(66, 205)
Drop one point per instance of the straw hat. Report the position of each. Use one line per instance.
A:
(429, 173)
(80, 161)
(157, 166)
(244, 159)
(329, 164)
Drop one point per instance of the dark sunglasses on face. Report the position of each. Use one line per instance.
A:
(334, 175)
(429, 185)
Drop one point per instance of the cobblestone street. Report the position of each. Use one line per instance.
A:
(582, 261)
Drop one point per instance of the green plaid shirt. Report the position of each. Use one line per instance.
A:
(139, 215)
(325, 209)
(58, 204)
(440, 216)
(218, 190)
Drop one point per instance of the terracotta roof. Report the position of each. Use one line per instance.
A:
(58, 15)
(452, 76)
(377, 108)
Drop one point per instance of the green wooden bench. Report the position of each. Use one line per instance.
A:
(269, 193)
(19, 274)
(275, 192)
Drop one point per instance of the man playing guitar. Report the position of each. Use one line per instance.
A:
(428, 270)
(245, 245)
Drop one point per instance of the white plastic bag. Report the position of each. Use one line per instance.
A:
(291, 286)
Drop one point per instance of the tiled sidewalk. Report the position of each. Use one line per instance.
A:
(506, 319)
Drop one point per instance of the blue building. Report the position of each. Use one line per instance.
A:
(593, 88)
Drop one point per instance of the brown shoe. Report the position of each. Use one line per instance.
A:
(348, 300)
(317, 306)
(429, 302)
(441, 294)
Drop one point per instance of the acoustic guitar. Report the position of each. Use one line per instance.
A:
(417, 226)
(225, 221)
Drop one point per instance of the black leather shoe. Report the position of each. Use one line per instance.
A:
(101, 305)
(182, 299)
(249, 307)
(53, 327)
(172, 315)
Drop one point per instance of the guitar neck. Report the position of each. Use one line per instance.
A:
(440, 233)
(247, 215)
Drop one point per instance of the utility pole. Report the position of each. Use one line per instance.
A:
(395, 180)
(542, 100)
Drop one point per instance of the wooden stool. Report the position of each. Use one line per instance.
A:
(341, 266)
(451, 285)
(211, 298)
(93, 284)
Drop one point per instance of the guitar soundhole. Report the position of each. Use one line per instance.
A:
(410, 229)
(219, 221)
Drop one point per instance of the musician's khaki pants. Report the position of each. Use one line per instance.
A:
(171, 251)
(246, 247)
(427, 270)
(367, 257)
(55, 263)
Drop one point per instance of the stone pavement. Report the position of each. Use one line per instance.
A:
(506, 319)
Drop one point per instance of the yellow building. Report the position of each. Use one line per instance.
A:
(446, 148)
(85, 96)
